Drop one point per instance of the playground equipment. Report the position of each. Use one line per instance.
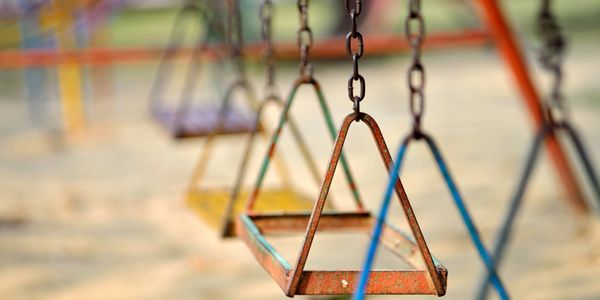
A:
(56, 27)
(188, 119)
(415, 34)
(557, 121)
(254, 226)
(217, 206)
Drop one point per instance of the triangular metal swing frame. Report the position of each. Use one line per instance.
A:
(219, 207)
(503, 235)
(487, 259)
(187, 120)
(253, 227)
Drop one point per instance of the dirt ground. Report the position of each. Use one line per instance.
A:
(100, 214)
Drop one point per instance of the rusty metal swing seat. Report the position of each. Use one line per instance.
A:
(415, 34)
(218, 206)
(188, 119)
(253, 227)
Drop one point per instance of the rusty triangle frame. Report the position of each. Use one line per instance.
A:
(253, 227)
(189, 86)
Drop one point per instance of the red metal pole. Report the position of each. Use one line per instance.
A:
(507, 45)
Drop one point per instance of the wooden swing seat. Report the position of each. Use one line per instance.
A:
(211, 204)
(200, 121)
(254, 228)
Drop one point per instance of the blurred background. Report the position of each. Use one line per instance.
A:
(92, 186)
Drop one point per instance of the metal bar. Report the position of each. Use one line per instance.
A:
(283, 119)
(202, 163)
(187, 94)
(304, 151)
(372, 250)
(168, 53)
(378, 229)
(503, 236)
(226, 229)
(313, 222)
(272, 147)
(271, 261)
(381, 283)
(509, 49)
(585, 158)
(253, 229)
(382, 44)
(277, 223)
(487, 260)
(333, 132)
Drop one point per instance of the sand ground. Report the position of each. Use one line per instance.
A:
(100, 214)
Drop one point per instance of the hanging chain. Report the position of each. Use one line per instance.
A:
(235, 36)
(414, 27)
(266, 29)
(355, 49)
(551, 57)
(305, 40)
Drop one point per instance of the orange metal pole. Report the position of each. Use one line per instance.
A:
(508, 47)
(330, 48)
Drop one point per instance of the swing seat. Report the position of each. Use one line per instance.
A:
(253, 229)
(200, 121)
(211, 204)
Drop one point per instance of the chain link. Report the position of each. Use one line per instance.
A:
(355, 49)
(305, 40)
(266, 16)
(414, 28)
(551, 57)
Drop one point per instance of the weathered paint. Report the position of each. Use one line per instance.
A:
(253, 229)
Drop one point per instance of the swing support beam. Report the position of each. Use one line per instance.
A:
(509, 49)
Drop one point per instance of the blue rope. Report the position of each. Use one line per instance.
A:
(487, 259)
(502, 237)
(385, 204)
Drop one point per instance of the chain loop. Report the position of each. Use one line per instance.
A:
(361, 81)
(355, 49)
(359, 45)
(414, 29)
(357, 8)
(305, 40)
(551, 58)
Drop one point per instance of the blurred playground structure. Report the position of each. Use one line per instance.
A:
(195, 59)
(58, 41)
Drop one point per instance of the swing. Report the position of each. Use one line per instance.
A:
(188, 120)
(551, 58)
(218, 206)
(415, 33)
(253, 227)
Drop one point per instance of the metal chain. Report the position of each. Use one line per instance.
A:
(355, 49)
(235, 36)
(414, 27)
(305, 40)
(551, 57)
(266, 16)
